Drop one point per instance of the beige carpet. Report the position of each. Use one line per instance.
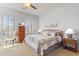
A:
(63, 52)
(24, 50)
(16, 50)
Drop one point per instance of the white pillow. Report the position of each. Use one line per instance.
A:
(45, 33)
(53, 33)
(49, 33)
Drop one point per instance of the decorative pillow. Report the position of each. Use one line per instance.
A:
(49, 33)
(57, 34)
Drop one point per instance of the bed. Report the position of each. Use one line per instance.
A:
(44, 42)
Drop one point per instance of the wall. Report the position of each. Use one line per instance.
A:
(65, 16)
(19, 16)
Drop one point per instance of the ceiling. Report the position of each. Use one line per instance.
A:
(42, 8)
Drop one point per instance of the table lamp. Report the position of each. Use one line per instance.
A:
(69, 33)
(39, 31)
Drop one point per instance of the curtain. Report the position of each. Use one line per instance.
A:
(31, 26)
(6, 25)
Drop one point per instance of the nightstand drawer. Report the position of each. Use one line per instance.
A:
(70, 43)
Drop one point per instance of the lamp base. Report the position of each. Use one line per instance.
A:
(69, 35)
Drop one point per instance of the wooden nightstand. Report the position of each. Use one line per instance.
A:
(70, 44)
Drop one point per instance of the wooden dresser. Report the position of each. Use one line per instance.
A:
(21, 33)
(70, 43)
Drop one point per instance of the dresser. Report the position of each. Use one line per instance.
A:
(21, 33)
(70, 44)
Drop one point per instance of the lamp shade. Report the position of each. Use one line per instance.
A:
(23, 23)
(69, 31)
(39, 30)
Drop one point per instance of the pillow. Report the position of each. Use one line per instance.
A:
(49, 33)
(45, 33)
(57, 34)
(53, 33)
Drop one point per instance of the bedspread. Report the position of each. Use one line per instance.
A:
(41, 42)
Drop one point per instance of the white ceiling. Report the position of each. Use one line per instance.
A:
(42, 8)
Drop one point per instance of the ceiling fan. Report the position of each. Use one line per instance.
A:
(29, 5)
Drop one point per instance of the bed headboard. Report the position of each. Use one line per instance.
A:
(57, 31)
(54, 28)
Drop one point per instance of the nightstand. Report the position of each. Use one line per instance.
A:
(70, 44)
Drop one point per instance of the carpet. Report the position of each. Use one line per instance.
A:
(16, 50)
(24, 50)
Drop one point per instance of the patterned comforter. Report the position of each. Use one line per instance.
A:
(41, 42)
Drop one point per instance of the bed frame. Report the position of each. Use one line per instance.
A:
(52, 48)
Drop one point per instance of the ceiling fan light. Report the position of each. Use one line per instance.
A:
(27, 4)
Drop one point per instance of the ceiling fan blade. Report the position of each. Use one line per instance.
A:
(33, 7)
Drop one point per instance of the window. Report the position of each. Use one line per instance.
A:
(0, 24)
(31, 26)
(6, 24)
